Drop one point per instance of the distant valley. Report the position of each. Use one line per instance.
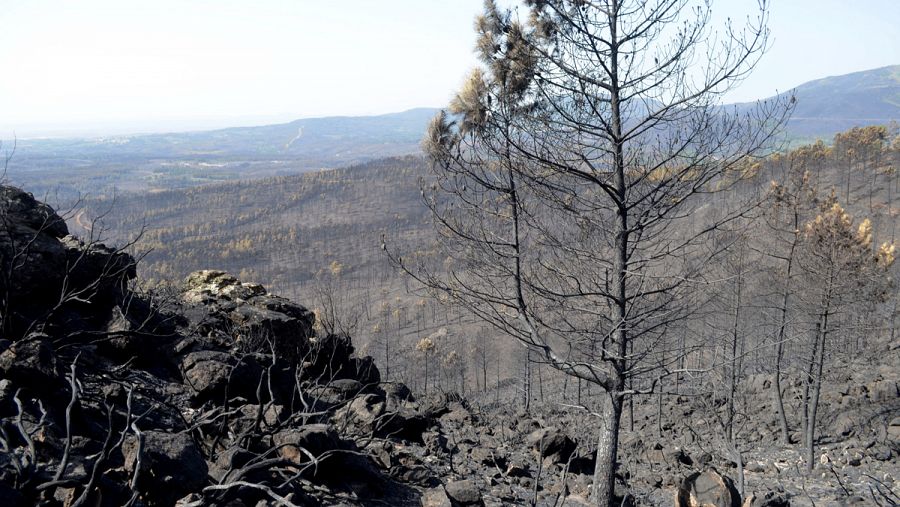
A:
(155, 162)
(177, 160)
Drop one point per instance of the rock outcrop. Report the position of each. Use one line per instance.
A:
(50, 278)
(108, 397)
(246, 315)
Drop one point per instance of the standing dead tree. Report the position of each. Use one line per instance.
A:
(567, 178)
(793, 197)
(838, 269)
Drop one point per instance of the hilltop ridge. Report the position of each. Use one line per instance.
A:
(835, 103)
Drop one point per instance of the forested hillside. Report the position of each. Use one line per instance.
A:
(758, 308)
(757, 350)
(321, 232)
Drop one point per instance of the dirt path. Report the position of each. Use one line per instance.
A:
(82, 223)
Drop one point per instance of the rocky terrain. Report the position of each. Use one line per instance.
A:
(220, 393)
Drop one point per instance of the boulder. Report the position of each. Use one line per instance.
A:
(338, 463)
(880, 452)
(210, 373)
(893, 430)
(254, 418)
(415, 474)
(208, 285)
(436, 497)
(95, 265)
(707, 489)
(551, 443)
(397, 391)
(767, 499)
(329, 358)
(171, 466)
(334, 393)
(41, 266)
(370, 416)
(884, 390)
(256, 326)
(457, 413)
(138, 333)
(844, 424)
(365, 371)
(403, 424)
(463, 493)
(228, 460)
(31, 364)
(28, 211)
(364, 410)
(315, 439)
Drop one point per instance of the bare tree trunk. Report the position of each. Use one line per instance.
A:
(779, 396)
(484, 364)
(540, 385)
(607, 448)
(387, 354)
(816, 390)
(733, 360)
(890, 203)
(779, 345)
(849, 171)
(631, 398)
(608, 442)
(872, 182)
(808, 381)
(659, 405)
(682, 360)
(739, 462)
(526, 382)
(893, 319)
(497, 397)
(426, 373)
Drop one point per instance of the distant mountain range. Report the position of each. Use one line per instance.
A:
(137, 162)
(833, 104)
(331, 141)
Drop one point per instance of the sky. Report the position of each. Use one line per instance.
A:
(116, 66)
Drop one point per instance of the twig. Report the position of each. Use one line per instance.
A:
(267, 490)
(73, 382)
(840, 482)
(100, 459)
(20, 425)
(138, 462)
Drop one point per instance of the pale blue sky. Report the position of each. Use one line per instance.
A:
(106, 66)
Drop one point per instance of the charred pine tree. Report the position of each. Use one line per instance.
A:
(839, 270)
(566, 177)
(793, 197)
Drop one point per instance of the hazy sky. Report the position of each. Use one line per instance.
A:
(136, 65)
